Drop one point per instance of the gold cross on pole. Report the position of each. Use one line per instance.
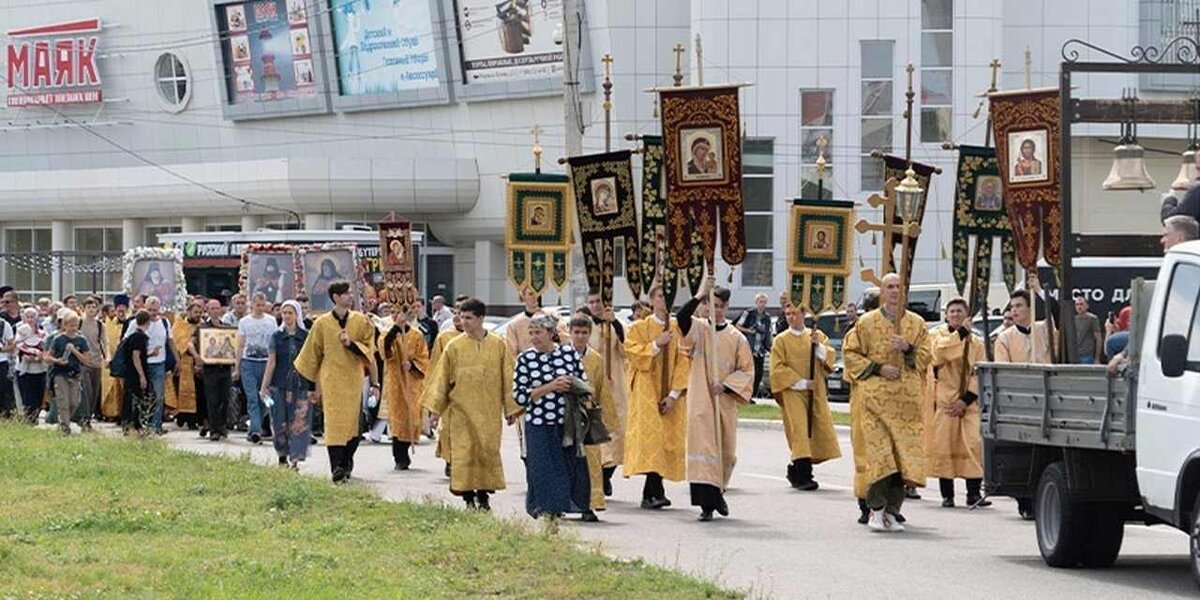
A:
(537, 147)
(888, 228)
(678, 77)
(1028, 68)
(821, 143)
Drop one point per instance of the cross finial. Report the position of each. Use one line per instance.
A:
(995, 65)
(607, 60)
(678, 49)
(1028, 67)
(537, 146)
(821, 143)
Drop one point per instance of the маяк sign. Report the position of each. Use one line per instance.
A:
(54, 64)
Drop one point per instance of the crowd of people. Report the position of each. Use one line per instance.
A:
(657, 398)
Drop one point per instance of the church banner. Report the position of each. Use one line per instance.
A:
(820, 235)
(655, 264)
(604, 200)
(894, 167)
(399, 279)
(702, 142)
(979, 211)
(537, 237)
(1028, 127)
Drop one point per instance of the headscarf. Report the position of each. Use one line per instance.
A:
(299, 313)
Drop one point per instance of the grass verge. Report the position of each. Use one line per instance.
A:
(92, 516)
(767, 409)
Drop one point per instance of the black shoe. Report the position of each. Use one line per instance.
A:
(589, 516)
(283, 461)
(899, 517)
(807, 486)
(607, 488)
(705, 516)
(723, 508)
(912, 493)
(978, 502)
(484, 505)
(340, 476)
(949, 502)
(203, 433)
(447, 470)
(254, 438)
(470, 503)
(1026, 515)
(655, 503)
(400, 466)
(864, 517)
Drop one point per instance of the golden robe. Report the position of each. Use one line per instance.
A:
(613, 452)
(402, 389)
(338, 371)
(183, 387)
(929, 400)
(956, 446)
(113, 388)
(439, 345)
(654, 443)
(472, 386)
(593, 367)
(792, 360)
(712, 422)
(1012, 346)
(858, 449)
(890, 417)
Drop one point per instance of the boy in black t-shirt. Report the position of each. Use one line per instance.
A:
(66, 354)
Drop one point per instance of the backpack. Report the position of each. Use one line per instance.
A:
(119, 363)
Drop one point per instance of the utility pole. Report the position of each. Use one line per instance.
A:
(573, 131)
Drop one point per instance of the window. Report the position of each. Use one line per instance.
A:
(153, 231)
(937, 75)
(816, 122)
(93, 272)
(1180, 315)
(28, 275)
(223, 227)
(284, 226)
(172, 79)
(876, 113)
(758, 192)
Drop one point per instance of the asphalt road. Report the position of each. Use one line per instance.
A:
(780, 543)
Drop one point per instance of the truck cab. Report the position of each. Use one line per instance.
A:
(1093, 450)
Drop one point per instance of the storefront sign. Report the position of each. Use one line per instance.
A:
(384, 47)
(509, 40)
(54, 64)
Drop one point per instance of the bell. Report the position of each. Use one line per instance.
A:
(1129, 169)
(908, 196)
(1187, 173)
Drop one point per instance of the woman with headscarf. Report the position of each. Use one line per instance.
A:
(557, 475)
(290, 393)
(31, 369)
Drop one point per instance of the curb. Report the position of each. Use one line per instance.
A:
(773, 425)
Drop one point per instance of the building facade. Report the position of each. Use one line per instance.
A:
(218, 115)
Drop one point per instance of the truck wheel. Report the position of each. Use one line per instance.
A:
(1061, 530)
(1105, 534)
(1194, 540)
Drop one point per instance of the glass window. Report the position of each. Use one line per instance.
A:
(936, 125)
(1180, 307)
(876, 98)
(172, 81)
(872, 174)
(809, 151)
(28, 266)
(937, 49)
(756, 194)
(876, 134)
(810, 187)
(223, 227)
(758, 156)
(816, 109)
(936, 87)
(153, 231)
(758, 231)
(937, 14)
(92, 264)
(811, 130)
(758, 191)
(876, 59)
(756, 270)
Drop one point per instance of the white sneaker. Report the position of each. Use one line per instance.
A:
(876, 521)
(891, 525)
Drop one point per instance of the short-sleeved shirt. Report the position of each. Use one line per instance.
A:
(158, 333)
(140, 342)
(535, 369)
(1087, 327)
(256, 335)
(58, 349)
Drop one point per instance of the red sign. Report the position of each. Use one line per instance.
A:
(54, 64)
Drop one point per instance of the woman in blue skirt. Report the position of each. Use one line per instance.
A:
(290, 394)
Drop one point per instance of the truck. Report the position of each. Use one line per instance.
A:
(1093, 450)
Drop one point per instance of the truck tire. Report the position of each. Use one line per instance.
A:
(1194, 539)
(1106, 531)
(1060, 523)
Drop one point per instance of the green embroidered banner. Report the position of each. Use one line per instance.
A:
(537, 233)
(819, 253)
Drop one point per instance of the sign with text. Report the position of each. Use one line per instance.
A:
(384, 47)
(54, 64)
(510, 39)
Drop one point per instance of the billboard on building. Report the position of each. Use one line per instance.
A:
(53, 64)
(508, 40)
(384, 47)
(267, 49)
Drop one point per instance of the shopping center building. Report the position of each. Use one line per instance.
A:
(127, 119)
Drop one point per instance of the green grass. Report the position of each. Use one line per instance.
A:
(94, 516)
(767, 409)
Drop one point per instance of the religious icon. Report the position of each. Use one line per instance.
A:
(1027, 156)
(304, 72)
(299, 42)
(217, 346)
(701, 150)
(244, 77)
(155, 278)
(297, 13)
(322, 268)
(235, 18)
(538, 218)
(241, 47)
(272, 275)
(987, 193)
(604, 196)
(396, 252)
(819, 238)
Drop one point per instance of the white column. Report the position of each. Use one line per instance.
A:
(251, 223)
(133, 233)
(60, 240)
(192, 225)
(318, 222)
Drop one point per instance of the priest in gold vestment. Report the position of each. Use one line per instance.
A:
(721, 379)
(656, 433)
(887, 363)
(405, 363)
(955, 447)
(801, 358)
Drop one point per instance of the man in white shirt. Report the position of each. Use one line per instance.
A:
(237, 310)
(254, 341)
(440, 312)
(159, 332)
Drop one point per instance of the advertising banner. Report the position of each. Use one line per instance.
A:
(267, 50)
(53, 64)
(510, 39)
(384, 47)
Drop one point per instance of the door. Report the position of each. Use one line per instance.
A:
(439, 276)
(1168, 411)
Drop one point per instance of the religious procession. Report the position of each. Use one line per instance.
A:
(740, 359)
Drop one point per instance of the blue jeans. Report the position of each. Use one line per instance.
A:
(252, 372)
(1087, 360)
(158, 380)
